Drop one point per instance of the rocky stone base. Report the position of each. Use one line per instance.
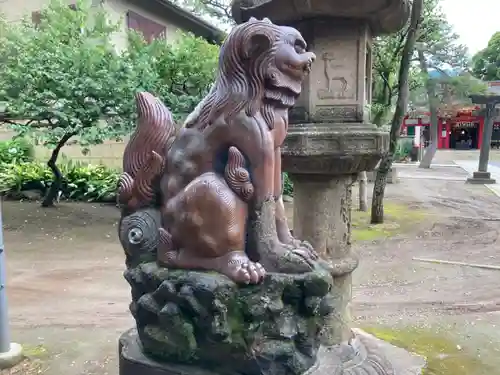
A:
(364, 355)
(203, 318)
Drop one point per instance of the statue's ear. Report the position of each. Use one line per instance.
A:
(267, 20)
(257, 44)
(252, 19)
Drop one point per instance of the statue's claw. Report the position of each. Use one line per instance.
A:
(305, 246)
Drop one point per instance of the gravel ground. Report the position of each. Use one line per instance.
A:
(69, 302)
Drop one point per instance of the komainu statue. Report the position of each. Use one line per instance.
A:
(206, 197)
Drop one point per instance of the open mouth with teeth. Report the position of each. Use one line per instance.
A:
(298, 70)
(303, 68)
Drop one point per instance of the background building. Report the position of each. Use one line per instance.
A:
(154, 18)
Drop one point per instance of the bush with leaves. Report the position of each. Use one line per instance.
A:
(486, 63)
(82, 182)
(287, 185)
(16, 151)
(64, 79)
(403, 149)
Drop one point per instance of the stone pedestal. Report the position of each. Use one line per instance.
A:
(340, 360)
(206, 320)
(323, 160)
(480, 178)
(322, 216)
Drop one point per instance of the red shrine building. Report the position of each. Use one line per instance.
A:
(458, 128)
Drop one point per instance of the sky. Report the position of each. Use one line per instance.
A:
(475, 21)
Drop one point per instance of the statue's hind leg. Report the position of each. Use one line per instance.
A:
(209, 223)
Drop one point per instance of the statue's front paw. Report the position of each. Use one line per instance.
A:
(292, 259)
(305, 247)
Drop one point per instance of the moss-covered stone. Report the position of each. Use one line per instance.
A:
(443, 355)
(204, 318)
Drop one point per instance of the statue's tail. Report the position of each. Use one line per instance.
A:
(145, 155)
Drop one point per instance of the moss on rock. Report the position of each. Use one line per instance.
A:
(204, 318)
(443, 355)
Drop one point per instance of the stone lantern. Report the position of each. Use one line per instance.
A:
(330, 137)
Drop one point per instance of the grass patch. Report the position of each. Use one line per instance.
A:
(398, 219)
(443, 355)
(34, 361)
(37, 351)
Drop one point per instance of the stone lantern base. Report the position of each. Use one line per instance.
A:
(481, 178)
(363, 355)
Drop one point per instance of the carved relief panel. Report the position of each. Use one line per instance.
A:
(335, 73)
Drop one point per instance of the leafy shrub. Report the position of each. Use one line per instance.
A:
(16, 150)
(82, 182)
(287, 185)
(403, 149)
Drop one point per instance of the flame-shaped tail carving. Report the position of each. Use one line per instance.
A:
(144, 156)
(237, 176)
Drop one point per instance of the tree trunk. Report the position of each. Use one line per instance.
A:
(363, 191)
(430, 152)
(377, 214)
(56, 185)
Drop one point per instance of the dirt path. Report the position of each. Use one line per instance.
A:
(69, 302)
(390, 289)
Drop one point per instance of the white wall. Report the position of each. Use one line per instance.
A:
(15, 10)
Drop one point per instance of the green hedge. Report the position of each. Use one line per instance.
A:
(81, 182)
(19, 172)
(287, 185)
(403, 149)
(16, 150)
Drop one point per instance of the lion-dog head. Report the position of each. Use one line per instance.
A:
(261, 68)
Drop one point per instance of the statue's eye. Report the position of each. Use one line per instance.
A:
(300, 46)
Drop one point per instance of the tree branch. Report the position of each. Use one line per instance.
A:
(377, 214)
(58, 177)
(401, 44)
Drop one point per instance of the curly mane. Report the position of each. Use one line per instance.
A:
(240, 80)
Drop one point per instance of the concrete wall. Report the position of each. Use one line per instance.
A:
(110, 153)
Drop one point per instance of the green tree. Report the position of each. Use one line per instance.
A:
(387, 52)
(439, 45)
(377, 212)
(185, 69)
(486, 63)
(451, 91)
(214, 10)
(62, 78)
